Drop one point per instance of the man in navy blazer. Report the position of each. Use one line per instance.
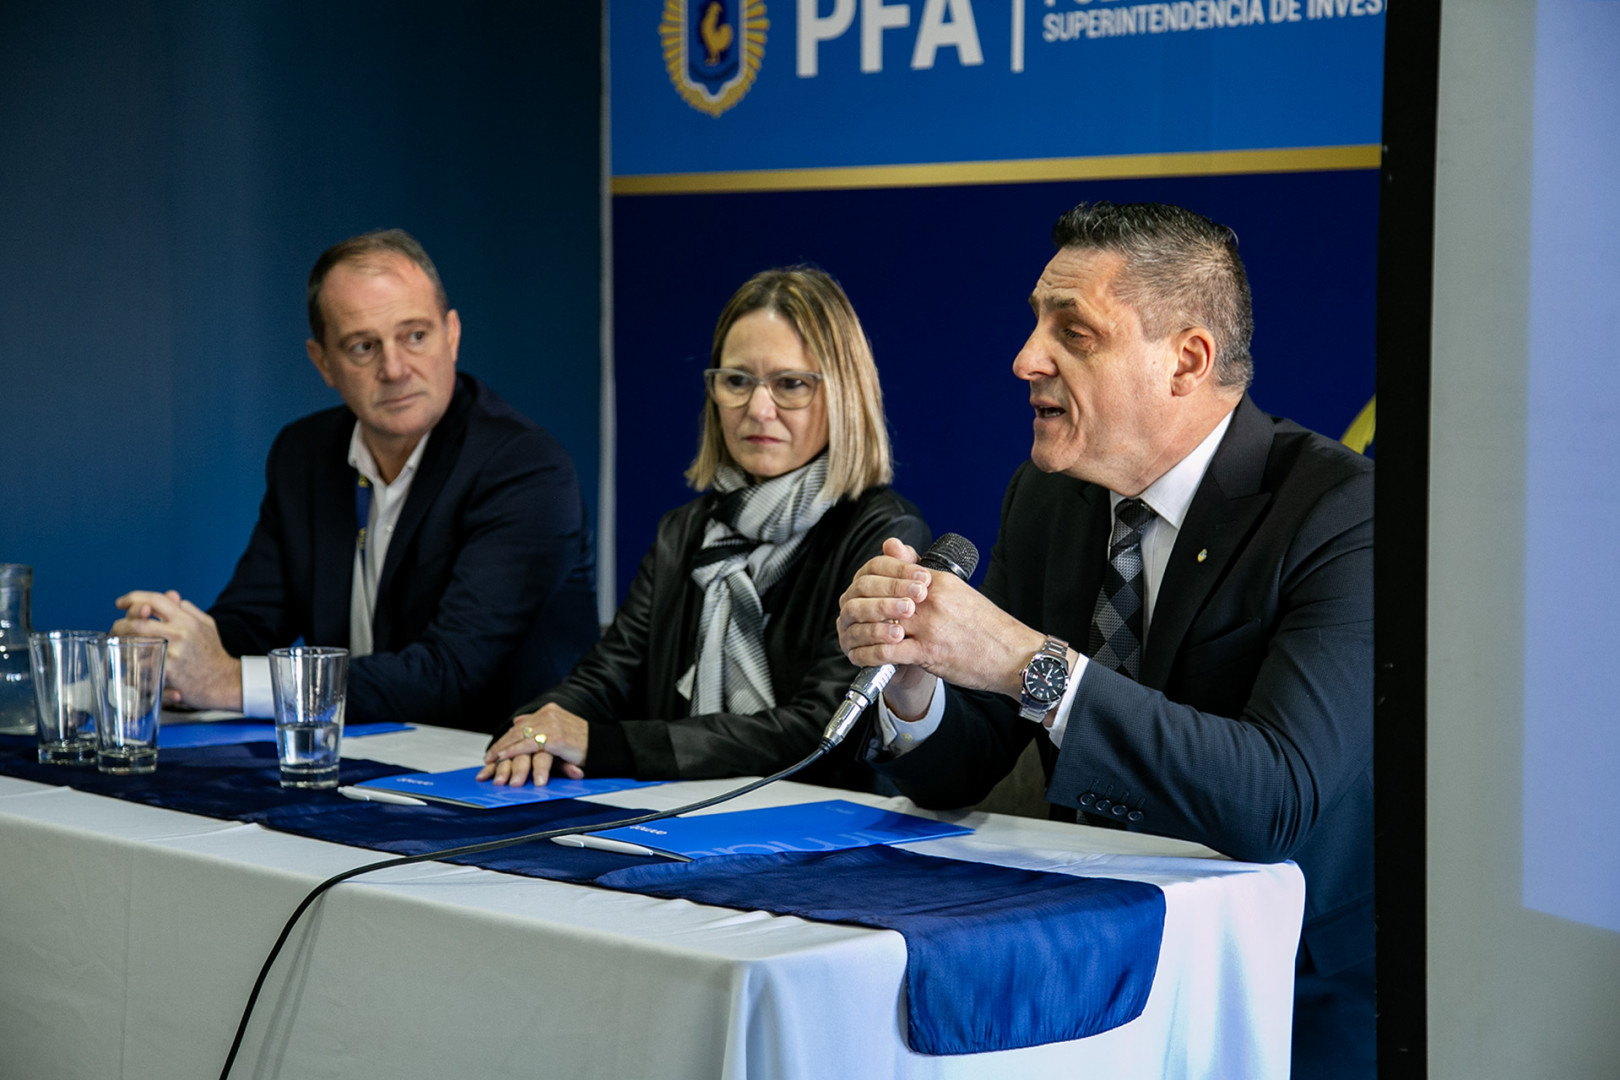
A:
(425, 525)
(1179, 603)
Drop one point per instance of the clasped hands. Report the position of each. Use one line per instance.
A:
(528, 747)
(929, 624)
(197, 671)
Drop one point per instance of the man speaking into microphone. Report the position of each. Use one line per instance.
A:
(1179, 603)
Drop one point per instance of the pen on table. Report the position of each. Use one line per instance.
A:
(604, 843)
(378, 795)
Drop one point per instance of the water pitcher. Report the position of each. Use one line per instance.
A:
(17, 708)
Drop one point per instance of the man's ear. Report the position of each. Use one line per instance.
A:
(317, 356)
(1195, 360)
(452, 330)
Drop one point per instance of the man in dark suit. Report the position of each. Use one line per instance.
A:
(1212, 567)
(425, 525)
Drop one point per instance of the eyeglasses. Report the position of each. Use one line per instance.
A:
(733, 388)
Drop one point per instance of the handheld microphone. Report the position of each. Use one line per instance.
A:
(950, 552)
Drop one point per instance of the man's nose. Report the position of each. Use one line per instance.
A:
(1032, 361)
(392, 365)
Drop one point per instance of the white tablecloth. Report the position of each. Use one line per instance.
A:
(130, 936)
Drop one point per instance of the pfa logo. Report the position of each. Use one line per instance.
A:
(712, 49)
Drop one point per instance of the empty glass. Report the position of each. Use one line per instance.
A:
(65, 694)
(128, 684)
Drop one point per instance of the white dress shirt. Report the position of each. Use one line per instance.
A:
(387, 503)
(1170, 496)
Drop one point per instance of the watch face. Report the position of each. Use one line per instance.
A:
(1046, 678)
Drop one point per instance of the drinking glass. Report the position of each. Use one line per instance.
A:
(309, 685)
(128, 688)
(65, 694)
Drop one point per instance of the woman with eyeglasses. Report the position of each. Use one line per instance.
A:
(724, 659)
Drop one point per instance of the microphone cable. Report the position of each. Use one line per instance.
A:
(472, 849)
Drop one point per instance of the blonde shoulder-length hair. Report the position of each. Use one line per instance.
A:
(857, 434)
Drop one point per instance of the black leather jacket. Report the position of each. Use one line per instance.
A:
(625, 686)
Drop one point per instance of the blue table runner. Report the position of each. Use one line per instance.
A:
(237, 783)
(231, 732)
(997, 958)
(243, 783)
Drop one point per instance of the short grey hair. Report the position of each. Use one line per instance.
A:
(1181, 270)
(361, 249)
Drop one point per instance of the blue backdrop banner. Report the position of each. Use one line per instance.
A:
(727, 85)
(920, 150)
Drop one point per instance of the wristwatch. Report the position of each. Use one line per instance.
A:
(1044, 679)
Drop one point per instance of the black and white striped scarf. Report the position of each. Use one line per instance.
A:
(753, 534)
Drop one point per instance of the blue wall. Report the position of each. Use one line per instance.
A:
(168, 173)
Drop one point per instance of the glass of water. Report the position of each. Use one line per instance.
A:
(309, 685)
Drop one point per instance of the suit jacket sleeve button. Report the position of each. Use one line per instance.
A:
(1119, 810)
(1134, 815)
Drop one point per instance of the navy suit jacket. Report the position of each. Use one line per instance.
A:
(486, 596)
(1251, 728)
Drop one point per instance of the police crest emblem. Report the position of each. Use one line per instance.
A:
(712, 49)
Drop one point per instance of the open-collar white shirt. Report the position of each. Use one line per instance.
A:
(387, 503)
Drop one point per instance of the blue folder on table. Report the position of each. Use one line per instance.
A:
(460, 789)
(833, 825)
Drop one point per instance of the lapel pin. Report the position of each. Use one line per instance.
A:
(1202, 555)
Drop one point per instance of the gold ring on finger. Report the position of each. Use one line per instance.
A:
(540, 740)
(528, 732)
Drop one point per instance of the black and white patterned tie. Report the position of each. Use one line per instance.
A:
(1116, 624)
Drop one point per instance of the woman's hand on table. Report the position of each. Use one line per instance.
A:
(527, 748)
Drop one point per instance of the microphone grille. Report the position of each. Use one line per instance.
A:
(953, 552)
